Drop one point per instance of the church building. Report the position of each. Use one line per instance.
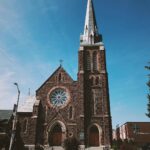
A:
(66, 108)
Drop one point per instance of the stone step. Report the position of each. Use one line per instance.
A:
(54, 148)
(94, 148)
(61, 148)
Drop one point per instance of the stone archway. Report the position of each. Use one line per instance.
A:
(56, 133)
(94, 134)
(55, 136)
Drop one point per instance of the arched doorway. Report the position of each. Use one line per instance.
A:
(94, 136)
(55, 136)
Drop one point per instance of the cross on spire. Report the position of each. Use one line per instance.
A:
(61, 62)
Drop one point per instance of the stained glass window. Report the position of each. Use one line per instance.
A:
(58, 97)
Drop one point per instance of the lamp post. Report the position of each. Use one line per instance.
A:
(14, 119)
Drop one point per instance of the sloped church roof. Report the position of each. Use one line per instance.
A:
(58, 70)
(27, 106)
(30, 101)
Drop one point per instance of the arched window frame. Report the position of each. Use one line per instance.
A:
(95, 61)
(71, 113)
(88, 61)
(25, 125)
(97, 81)
(35, 110)
(92, 80)
(59, 77)
(95, 98)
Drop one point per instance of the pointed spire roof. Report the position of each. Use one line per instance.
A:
(90, 21)
(90, 35)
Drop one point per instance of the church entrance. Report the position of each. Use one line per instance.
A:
(55, 136)
(93, 136)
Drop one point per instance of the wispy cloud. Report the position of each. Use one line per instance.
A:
(28, 75)
(15, 34)
(7, 78)
(7, 96)
(46, 6)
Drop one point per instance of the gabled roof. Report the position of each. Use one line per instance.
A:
(5, 114)
(27, 106)
(61, 69)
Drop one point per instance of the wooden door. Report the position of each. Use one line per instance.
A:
(56, 136)
(56, 139)
(93, 136)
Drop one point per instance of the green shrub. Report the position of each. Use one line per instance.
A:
(71, 143)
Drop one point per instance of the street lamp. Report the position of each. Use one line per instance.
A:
(14, 119)
(18, 97)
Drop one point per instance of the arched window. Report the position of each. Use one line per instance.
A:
(88, 61)
(97, 81)
(95, 101)
(92, 80)
(71, 112)
(95, 104)
(59, 77)
(25, 124)
(94, 61)
(35, 110)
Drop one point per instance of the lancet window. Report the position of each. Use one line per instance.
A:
(88, 61)
(95, 61)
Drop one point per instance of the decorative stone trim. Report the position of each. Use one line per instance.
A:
(81, 116)
(81, 48)
(102, 48)
(71, 124)
(30, 147)
(81, 147)
(81, 71)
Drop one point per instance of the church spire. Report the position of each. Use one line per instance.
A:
(90, 35)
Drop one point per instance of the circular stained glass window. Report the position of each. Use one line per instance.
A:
(58, 97)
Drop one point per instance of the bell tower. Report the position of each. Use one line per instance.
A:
(93, 82)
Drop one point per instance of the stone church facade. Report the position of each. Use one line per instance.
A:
(66, 108)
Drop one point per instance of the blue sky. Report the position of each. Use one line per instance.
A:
(36, 34)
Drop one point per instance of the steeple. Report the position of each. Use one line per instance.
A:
(90, 35)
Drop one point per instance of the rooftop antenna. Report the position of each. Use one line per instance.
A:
(29, 92)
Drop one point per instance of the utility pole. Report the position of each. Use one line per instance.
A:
(14, 119)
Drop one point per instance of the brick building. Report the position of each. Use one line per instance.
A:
(139, 132)
(64, 108)
(5, 124)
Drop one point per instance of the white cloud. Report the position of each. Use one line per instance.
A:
(12, 70)
(27, 75)
(14, 26)
(7, 96)
(7, 74)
